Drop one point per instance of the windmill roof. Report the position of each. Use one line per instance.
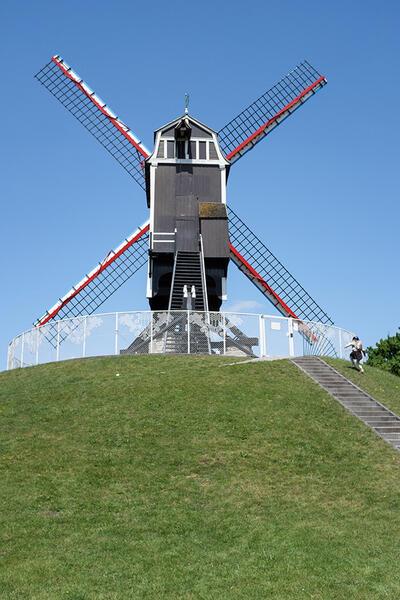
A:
(190, 118)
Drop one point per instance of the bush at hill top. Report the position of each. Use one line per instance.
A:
(386, 354)
(182, 478)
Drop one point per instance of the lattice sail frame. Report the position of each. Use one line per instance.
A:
(98, 285)
(94, 114)
(269, 275)
(256, 121)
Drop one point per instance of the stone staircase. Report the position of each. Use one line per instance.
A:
(374, 414)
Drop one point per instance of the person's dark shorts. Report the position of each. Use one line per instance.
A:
(356, 355)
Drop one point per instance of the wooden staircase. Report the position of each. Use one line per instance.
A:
(187, 272)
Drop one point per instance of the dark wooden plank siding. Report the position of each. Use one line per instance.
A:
(213, 152)
(215, 238)
(164, 213)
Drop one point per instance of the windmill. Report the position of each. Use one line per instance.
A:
(191, 234)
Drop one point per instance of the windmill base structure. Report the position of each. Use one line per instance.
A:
(192, 234)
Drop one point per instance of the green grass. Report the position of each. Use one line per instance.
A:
(183, 479)
(382, 385)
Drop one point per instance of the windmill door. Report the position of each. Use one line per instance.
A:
(187, 224)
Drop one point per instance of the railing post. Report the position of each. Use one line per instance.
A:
(208, 320)
(261, 336)
(340, 343)
(9, 359)
(188, 332)
(84, 337)
(58, 342)
(151, 333)
(290, 336)
(116, 334)
(224, 332)
(265, 335)
(22, 349)
(37, 346)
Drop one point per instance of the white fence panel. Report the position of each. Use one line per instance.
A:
(276, 336)
(176, 332)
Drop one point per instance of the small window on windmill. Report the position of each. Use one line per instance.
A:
(160, 153)
(212, 151)
(170, 149)
(192, 150)
(202, 150)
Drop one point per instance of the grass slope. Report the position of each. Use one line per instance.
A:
(183, 480)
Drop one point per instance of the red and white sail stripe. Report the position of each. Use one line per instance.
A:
(101, 105)
(103, 266)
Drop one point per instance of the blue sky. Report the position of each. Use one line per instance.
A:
(322, 191)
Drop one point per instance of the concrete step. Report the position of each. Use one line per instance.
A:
(355, 402)
(336, 381)
(360, 409)
(338, 384)
(388, 429)
(367, 412)
(342, 386)
(323, 372)
(349, 397)
(356, 398)
(373, 409)
(329, 381)
(360, 402)
(308, 359)
(346, 392)
(328, 376)
(364, 413)
(384, 421)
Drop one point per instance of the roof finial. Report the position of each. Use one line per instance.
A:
(187, 103)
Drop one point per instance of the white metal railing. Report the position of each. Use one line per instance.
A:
(176, 332)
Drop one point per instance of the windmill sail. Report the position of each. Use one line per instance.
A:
(269, 275)
(96, 287)
(116, 137)
(256, 121)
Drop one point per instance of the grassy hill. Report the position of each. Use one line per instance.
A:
(182, 478)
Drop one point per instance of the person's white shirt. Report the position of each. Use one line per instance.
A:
(356, 344)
